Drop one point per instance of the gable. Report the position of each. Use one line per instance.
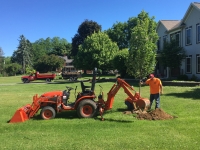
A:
(166, 25)
(195, 6)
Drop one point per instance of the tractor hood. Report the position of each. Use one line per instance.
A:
(52, 94)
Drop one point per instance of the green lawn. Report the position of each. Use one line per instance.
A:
(118, 131)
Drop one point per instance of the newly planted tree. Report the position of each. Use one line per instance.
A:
(142, 54)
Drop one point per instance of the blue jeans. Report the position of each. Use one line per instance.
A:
(157, 99)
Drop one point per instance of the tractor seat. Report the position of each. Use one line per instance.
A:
(85, 88)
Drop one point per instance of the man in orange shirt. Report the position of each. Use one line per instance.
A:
(155, 90)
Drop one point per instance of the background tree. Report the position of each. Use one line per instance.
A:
(119, 61)
(118, 33)
(142, 53)
(121, 32)
(1, 61)
(172, 54)
(40, 48)
(60, 47)
(87, 28)
(97, 51)
(12, 69)
(23, 54)
(56, 46)
(48, 63)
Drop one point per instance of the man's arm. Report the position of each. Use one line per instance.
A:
(161, 89)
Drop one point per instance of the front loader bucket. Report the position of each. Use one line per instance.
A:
(21, 114)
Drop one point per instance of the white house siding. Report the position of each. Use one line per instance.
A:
(161, 32)
(192, 18)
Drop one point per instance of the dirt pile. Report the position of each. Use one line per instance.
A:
(157, 114)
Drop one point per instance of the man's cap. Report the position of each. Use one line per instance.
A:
(151, 76)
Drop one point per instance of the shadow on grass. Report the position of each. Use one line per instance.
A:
(73, 115)
(194, 94)
(64, 115)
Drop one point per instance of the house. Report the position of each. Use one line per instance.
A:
(68, 66)
(187, 34)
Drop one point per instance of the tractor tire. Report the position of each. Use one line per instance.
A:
(48, 80)
(87, 109)
(25, 81)
(47, 113)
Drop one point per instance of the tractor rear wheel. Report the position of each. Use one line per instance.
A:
(87, 109)
(47, 113)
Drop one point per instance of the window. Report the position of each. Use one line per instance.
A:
(198, 63)
(188, 36)
(176, 36)
(198, 33)
(158, 43)
(164, 39)
(188, 64)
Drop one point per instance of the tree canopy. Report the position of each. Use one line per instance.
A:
(49, 63)
(121, 32)
(23, 54)
(96, 51)
(119, 61)
(86, 28)
(172, 54)
(50, 46)
(142, 54)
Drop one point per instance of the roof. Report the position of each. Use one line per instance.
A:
(170, 24)
(175, 24)
(66, 59)
(197, 4)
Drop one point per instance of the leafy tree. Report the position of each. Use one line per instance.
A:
(49, 63)
(12, 69)
(96, 51)
(142, 54)
(40, 48)
(1, 60)
(87, 28)
(50, 46)
(60, 47)
(121, 32)
(119, 61)
(118, 34)
(172, 54)
(23, 54)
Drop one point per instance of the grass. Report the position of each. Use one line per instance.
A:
(118, 131)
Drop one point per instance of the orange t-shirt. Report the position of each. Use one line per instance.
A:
(154, 84)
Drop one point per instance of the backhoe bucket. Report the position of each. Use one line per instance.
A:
(21, 114)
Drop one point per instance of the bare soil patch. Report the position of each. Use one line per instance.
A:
(157, 114)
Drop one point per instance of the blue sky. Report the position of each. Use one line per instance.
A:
(37, 19)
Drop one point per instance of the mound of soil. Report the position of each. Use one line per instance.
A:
(157, 114)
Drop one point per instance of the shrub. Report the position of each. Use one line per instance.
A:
(194, 78)
(182, 77)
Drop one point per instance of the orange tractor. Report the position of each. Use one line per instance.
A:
(85, 104)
